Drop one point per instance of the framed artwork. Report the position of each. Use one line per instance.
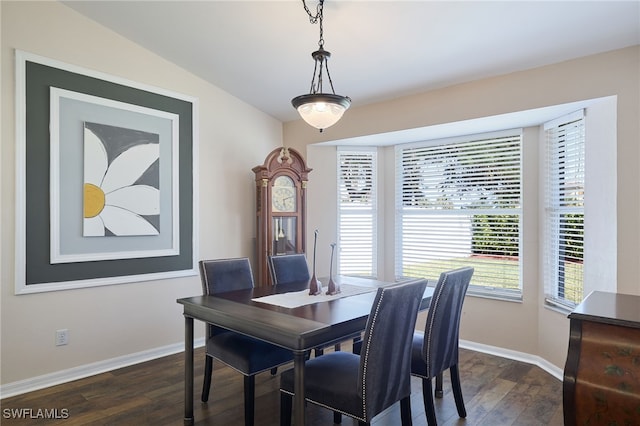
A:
(105, 179)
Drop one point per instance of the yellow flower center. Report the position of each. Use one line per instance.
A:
(93, 200)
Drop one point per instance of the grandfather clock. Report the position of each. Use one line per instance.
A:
(281, 208)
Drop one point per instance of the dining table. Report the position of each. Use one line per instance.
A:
(287, 316)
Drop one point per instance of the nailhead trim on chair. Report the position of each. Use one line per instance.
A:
(365, 360)
(366, 356)
(205, 284)
(355, 416)
(430, 327)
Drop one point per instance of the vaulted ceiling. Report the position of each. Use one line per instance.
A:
(260, 51)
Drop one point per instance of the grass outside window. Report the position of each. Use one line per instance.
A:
(493, 272)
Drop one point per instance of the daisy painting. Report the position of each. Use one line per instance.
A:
(121, 181)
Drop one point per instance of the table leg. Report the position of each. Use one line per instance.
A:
(298, 388)
(188, 370)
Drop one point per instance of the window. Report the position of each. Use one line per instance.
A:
(458, 203)
(564, 210)
(357, 229)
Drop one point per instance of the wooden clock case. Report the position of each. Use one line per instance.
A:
(281, 208)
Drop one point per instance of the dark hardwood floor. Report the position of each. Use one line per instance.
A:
(497, 391)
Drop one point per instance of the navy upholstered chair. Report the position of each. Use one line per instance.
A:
(436, 350)
(247, 355)
(288, 268)
(362, 386)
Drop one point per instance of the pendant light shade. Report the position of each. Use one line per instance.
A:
(319, 109)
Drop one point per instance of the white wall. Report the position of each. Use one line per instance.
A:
(120, 320)
(523, 327)
(602, 196)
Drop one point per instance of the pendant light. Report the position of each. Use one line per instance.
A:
(319, 109)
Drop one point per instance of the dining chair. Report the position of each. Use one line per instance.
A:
(247, 355)
(362, 386)
(436, 350)
(291, 268)
(288, 268)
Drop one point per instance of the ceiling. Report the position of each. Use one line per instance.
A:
(260, 51)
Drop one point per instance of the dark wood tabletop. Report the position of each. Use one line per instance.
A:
(300, 328)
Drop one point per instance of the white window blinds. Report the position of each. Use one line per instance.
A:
(357, 225)
(458, 203)
(564, 210)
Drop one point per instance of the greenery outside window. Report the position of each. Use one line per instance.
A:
(458, 203)
(564, 211)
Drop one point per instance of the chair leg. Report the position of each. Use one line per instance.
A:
(286, 403)
(357, 345)
(208, 371)
(336, 347)
(337, 418)
(360, 423)
(319, 352)
(249, 398)
(405, 411)
(274, 371)
(438, 392)
(427, 396)
(457, 390)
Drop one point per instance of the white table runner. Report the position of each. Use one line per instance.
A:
(295, 299)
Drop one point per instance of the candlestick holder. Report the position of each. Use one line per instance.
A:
(333, 288)
(315, 286)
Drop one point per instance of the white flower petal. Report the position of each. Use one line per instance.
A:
(123, 222)
(140, 199)
(125, 169)
(95, 158)
(93, 227)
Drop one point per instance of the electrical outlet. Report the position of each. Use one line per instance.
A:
(62, 337)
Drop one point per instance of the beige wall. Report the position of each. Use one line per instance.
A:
(119, 320)
(528, 326)
(113, 321)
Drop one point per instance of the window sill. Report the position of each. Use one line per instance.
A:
(556, 307)
(504, 296)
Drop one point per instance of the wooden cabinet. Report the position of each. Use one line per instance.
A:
(602, 373)
(281, 208)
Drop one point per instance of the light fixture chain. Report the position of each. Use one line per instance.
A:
(317, 18)
(321, 40)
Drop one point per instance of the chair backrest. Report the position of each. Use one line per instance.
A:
(441, 333)
(385, 358)
(288, 268)
(222, 275)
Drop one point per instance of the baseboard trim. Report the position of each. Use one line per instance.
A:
(514, 355)
(71, 374)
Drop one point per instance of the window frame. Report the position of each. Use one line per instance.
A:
(347, 260)
(513, 293)
(554, 208)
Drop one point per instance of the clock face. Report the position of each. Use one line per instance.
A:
(284, 199)
(283, 195)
